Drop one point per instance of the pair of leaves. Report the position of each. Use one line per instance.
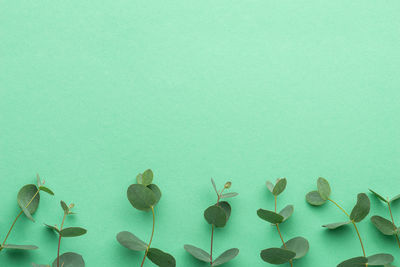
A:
(381, 259)
(145, 178)
(68, 231)
(143, 197)
(279, 186)
(295, 248)
(319, 197)
(202, 255)
(274, 217)
(384, 199)
(385, 226)
(218, 214)
(158, 257)
(68, 259)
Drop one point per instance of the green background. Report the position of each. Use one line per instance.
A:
(93, 92)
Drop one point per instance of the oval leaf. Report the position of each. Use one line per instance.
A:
(215, 215)
(226, 256)
(279, 186)
(198, 253)
(226, 207)
(378, 196)
(324, 189)
(228, 195)
(315, 199)
(64, 207)
(380, 259)
(354, 262)
(333, 226)
(161, 258)
(385, 226)
(19, 247)
(286, 212)
(130, 241)
(270, 216)
(141, 197)
(25, 196)
(361, 209)
(298, 245)
(70, 259)
(72, 232)
(145, 178)
(277, 255)
(46, 189)
(156, 190)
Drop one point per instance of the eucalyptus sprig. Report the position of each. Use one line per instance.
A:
(217, 215)
(144, 196)
(68, 258)
(293, 249)
(28, 199)
(358, 213)
(385, 226)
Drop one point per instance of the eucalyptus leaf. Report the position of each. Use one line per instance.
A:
(270, 186)
(225, 257)
(70, 259)
(380, 259)
(64, 207)
(46, 189)
(27, 214)
(226, 207)
(160, 258)
(156, 190)
(141, 197)
(19, 247)
(72, 231)
(38, 180)
(270, 216)
(277, 255)
(216, 216)
(228, 195)
(385, 226)
(354, 262)
(214, 186)
(315, 199)
(298, 245)
(198, 253)
(145, 178)
(323, 188)
(378, 196)
(279, 186)
(54, 228)
(395, 198)
(333, 226)
(25, 196)
(130, 241)
(40, 265)
(286, 212)
(361, 209)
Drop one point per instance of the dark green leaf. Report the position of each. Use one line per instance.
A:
(156, 191)
(19, 247)
(226, 256)
(354, 262)
(46, 189)
(25, 196)
(228, 195)
(378, 196)
(324, 189)
(286, 212)
(380, 259)
(226, 207)
(70, 259)
(298, 245)
(279, 186)
(215, 215)
(270, 216)
(270, 186)
(72, 232)
(277, 255)
(161, 258)
(64, 207)
(141, 197)
(385, 226)
(130, 241)
(333, 226)
(214, 186)
(54, 228)
(198, 253)
(314, 198)
(361, 209)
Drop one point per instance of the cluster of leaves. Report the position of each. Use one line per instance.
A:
(293, 249)
(385, 226)
(144, 196)
(68, 258)
(28, 199)
(358, 213)
(217, 215)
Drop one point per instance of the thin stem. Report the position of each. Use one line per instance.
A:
(391, 216)
(280, 234)
(337, 205)
(212, 238)
(151, 237)
(16, 218)
(59, 240)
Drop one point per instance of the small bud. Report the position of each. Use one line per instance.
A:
(228, 185)
(72, 205)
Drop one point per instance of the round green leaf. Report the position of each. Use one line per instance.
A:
(161, 258)
(156, 190)
(323, 188)
(198, 253)
(19, 247)
(315, 199)
(226, 207)
(270, 216)
(70, 259)
(354, 262)
(130, 241)
(333, 226)
(385, 226)
(279, 186)
(380, 259)
(286, 212)
(72, 232)
(226, 256)
(298, 245)
(145, 178)
(378, 196)
(215, 215)
(277, 255)
(25, 196)
(141, 197)
(361, 209)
